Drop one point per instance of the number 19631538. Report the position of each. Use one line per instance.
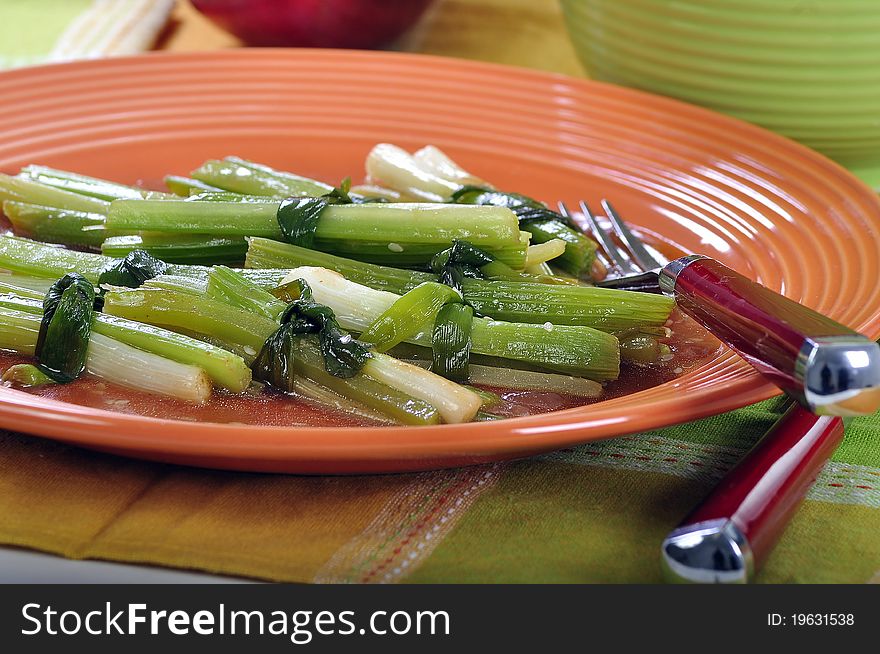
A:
(811, 620)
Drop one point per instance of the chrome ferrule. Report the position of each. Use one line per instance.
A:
(840, 375)
(711, 552)
(670, 272)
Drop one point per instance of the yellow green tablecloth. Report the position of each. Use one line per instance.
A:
(595, 513)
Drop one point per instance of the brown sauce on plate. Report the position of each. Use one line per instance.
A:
(691, 346)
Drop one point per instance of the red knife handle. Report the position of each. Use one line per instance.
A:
(730, 534)
(827, 367)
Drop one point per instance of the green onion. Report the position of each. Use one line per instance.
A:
(524, 380)
(266, 253)
(407, 315)
(228, 196)
(240, 176)
(19, 330)
(432, 159)
(185, 186)
(228, 286)
(193, 315)
(407, 233)
(543, 224)
(27, 375)
(601, 308)
(65, 328)
(31, 192)
(513, 301)
(225, 369)
(363, 388)
(133, 270)
(451, 341)
(543, 252)
(397, 169)
(146, 372)
(24, 286)
(179, 248)
(85, 185)
(113, 360)
(53, 225)
(26, 257)
(313, 391)
(575, 350)
(454, 402)
(344, 356)
(579, 257)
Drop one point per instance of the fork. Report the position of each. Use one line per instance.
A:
(728, 537)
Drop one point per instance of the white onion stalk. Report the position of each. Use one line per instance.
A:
(143, 371)
(398, 170)
(433, 160)
(538, 254)
(454, 403)
(370, 190)
(355, 305)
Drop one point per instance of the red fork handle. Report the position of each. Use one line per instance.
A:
(729, 536)
(827, 367)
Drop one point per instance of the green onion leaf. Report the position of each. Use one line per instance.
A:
(458, 262)
(408, 315)
(137, 267)
(451, 341)
(525, 208)
(344, 356)
(63, 341)
(298, 219)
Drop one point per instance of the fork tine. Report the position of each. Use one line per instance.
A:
(618, 256)
(644, 259)
(588, 230)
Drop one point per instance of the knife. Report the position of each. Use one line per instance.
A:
(729, 536)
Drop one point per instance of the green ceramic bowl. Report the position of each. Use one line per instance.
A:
(808, 69)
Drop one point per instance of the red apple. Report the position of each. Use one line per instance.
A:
(315, 23)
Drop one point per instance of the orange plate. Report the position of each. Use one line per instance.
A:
(762, 204)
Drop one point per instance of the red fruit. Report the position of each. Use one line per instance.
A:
(314, 23)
